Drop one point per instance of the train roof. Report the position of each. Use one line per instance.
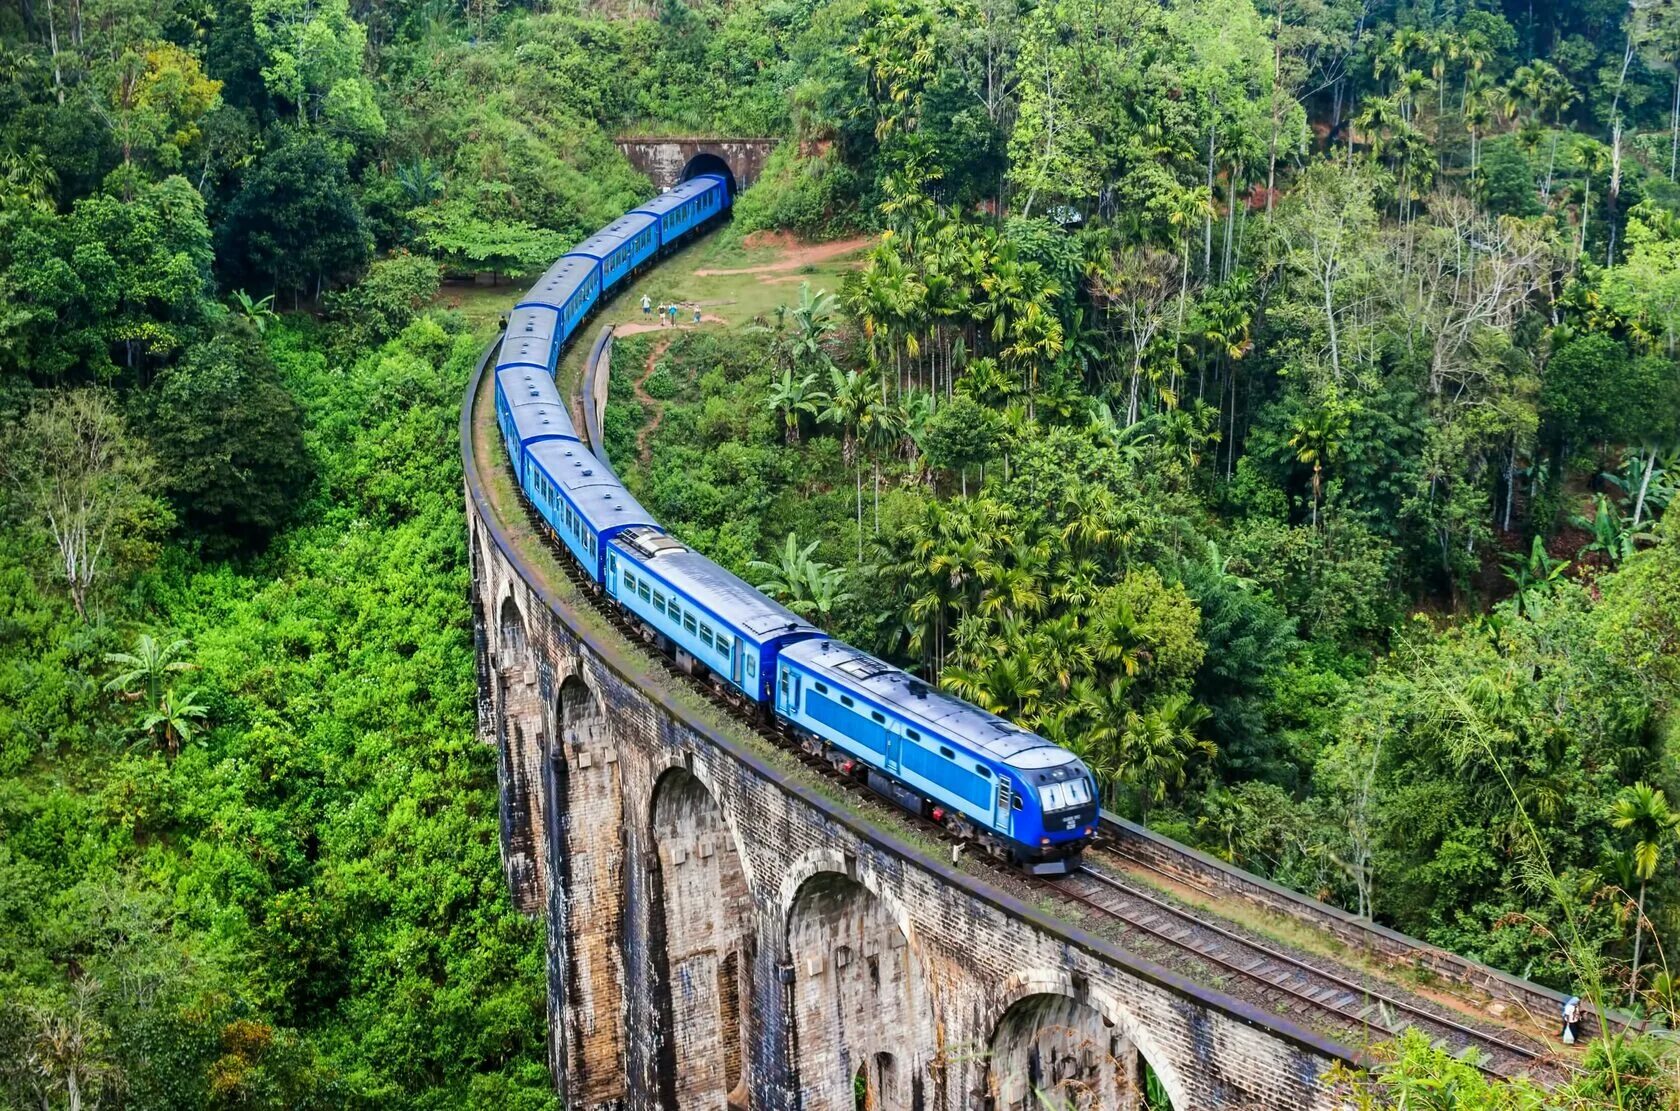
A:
(730, 598)
(538, 413)
(687, 191)
(614, 235)
(918, 702)
(526, 384)
(560, 281)
(600, 499)
(529, 338)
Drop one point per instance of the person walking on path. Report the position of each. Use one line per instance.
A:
(647, 304)
(662, 315)
(696, 312)
(673, 314)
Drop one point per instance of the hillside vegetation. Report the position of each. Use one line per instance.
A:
(1275, 401)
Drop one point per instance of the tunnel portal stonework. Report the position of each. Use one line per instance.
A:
(721, 936)
(667, 161)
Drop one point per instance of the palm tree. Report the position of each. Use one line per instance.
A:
(880, 427)
(1594, 158)
(849, 399)
(808, 587)
(177, 717)
(146, 671)
(1158, 745)
(1317, 438)
(793, 397)
(421, 181)
(1644, 811)
(30, 174)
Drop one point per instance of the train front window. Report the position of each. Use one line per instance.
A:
(1065, 796)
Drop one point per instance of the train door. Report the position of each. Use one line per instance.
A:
(736, 662)
(611, 578)
(1003, 817)
(787, 691)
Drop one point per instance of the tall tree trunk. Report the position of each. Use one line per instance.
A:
(1510, 484)
(1615, 190)
(1638, 936)
(52, 40)
(1207, 223)
(1674, 125)
(1277, 80)
(1644, 485)
(860, 509)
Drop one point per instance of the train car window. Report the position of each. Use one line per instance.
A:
(752, 667)
(876, 714)
(1017, 804)
(912, 734)
(784, 682)
(985, 772)
(845, 700)
(659, 601)
(706, 635)
(723, 648)
(822, 688)
(688, 622)
(947, 753)
(642, 589)
(629, 581)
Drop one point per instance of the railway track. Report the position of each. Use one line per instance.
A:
(1315, 991)
(1312, 989)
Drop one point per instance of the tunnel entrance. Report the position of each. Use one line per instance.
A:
(706, 163)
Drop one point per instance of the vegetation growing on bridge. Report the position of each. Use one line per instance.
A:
(1275, 401)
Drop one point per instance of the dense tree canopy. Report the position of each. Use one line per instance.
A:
(1276, 401)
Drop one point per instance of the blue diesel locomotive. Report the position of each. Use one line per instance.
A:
(984, 779)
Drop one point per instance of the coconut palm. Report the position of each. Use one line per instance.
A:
(1643, 811)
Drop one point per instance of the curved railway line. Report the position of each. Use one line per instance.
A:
(1317, 991)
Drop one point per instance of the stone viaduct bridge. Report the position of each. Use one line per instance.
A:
(727, 930)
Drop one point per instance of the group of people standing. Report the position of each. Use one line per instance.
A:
(668, 313)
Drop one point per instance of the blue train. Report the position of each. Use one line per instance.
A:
(986, 780)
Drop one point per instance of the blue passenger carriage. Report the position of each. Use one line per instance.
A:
(687, 205)
(570, 288)
(621, 246)
(941, 755)
(529, 411)
(580, 499)
(712, 615)
(531, 339)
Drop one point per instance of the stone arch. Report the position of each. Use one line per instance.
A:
(703, 945)
(1056, 1037)
(583, 823)
(860, 1000)
(706, 162)
(512, 643)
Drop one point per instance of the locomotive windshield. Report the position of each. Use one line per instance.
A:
(1066, 795)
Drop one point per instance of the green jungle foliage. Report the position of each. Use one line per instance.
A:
(1275, 401)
